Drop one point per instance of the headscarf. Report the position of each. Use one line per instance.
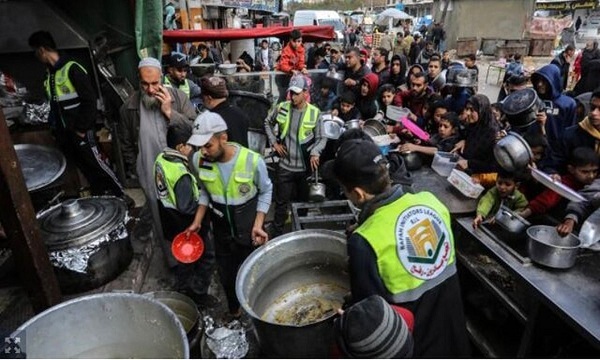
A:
(482, 105)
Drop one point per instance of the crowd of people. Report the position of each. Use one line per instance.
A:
(199, 175)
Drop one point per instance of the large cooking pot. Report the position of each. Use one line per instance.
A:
(282, 284)
(512, 152)
(546, 247)
(521, 107)
(109, 325)
(87, 241)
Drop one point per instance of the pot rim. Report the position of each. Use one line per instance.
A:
(531, 236)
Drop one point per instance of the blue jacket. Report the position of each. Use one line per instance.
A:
(563, 114)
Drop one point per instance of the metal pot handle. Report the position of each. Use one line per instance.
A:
(317, 175)
(508, 213)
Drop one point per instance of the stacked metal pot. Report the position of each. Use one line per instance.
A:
(87, 240)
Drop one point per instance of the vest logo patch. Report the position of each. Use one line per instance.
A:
(422, 242)
(244, 189)
(161, 184)
(65, 89)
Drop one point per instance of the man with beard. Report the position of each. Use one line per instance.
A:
(380, 64)
(415, 98)
(354, 70)
(177, 77)
(73, 114)
(145, 117)
(235, 182)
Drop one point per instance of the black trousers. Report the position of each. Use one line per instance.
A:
(194, 277)
(85, 155)
(289, 186)
(230, 256)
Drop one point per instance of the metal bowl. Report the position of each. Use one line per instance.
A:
(374, 128)
(546, 247)
(510, 221)
(200, 70)
(353, 124)
(512, 152)
(227, 69)
(333, 126)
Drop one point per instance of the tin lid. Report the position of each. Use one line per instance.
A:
(41, 165)
(76, 222)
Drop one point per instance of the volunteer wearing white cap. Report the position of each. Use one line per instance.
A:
(235, 181)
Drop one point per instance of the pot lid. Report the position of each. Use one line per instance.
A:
(558, 187)
(76, 222)
(519, 101)
(41, 165)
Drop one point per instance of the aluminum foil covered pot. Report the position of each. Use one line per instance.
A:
(87, 241)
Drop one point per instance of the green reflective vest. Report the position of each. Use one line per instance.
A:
(412, 240)
(240, 186)
(185, 87)
(167, 171)
(59, 88)
(307, 125)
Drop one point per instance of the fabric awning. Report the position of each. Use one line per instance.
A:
(309, 33)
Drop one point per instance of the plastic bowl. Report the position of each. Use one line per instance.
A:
(228, 69)
(187, 249)
(444, 162)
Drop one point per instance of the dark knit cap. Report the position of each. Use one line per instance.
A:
(214, 86)
(372, 329)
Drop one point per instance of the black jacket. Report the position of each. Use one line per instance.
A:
(440, 329)
(237, 122)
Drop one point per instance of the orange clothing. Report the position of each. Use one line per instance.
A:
(291, 59)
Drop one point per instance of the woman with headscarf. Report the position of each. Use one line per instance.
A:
(479, 138)
(590, 69)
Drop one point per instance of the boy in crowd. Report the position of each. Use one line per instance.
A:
(445, 139)
(582, 170)
(346, 109)
(504, 193)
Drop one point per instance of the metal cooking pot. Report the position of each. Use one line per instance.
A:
(461, 76)
(282, 274)
(546, 247)
(317, 190)
(200, 70)
(108, 325)
(353, 124)
(333, 126)
(374, 128)
(87, 241)
(412, 160)
(521, 107)
(512, 152)
(439, 81)
(510, 221)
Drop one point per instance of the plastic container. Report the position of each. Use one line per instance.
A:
(464, 184)
(444, 162)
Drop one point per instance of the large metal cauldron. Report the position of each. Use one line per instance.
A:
(113, 326)
(87, 240)
(279, 276)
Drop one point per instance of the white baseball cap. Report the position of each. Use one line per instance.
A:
(206, 125)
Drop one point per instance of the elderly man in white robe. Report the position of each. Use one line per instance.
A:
(145, 117)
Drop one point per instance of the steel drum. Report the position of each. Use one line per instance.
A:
(41, 165)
